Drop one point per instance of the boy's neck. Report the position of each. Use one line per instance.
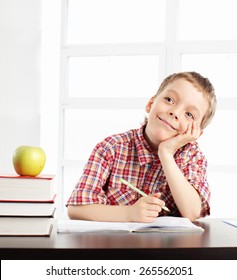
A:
(154, 147)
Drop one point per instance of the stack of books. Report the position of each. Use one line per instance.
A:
(27, 205)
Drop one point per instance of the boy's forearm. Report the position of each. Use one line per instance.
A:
(99, 212)
(185, 196)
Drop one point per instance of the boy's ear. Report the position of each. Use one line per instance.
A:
(149, 104)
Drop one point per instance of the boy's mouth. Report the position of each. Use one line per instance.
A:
(167, 123)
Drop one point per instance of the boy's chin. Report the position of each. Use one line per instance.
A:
(162, 137)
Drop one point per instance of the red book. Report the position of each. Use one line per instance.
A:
(27, 189)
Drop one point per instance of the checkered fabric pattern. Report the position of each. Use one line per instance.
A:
(129, 156)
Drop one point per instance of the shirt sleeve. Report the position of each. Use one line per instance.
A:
(195, 171)
(89, 189)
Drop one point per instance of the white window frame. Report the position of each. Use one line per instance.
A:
(170, 52)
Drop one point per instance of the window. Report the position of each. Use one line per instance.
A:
(114, 54)
(105, 21)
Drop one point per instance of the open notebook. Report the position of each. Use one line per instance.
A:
(232, 222)
(161, 224)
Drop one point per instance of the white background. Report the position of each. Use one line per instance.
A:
(30, 85)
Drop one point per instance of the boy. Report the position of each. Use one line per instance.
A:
(161, 158)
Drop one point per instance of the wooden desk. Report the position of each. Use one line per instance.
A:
(218, 241)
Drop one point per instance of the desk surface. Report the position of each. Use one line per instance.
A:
(218, 241)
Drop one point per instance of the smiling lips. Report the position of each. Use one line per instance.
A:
(167, 123)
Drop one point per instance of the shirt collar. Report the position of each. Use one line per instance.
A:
(144, 151)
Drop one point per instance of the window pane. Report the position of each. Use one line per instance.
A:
(117, 76)
(221, 69)
(207, 20)
(117, 21)
(85, 128)
(223, 203)
(219, 139)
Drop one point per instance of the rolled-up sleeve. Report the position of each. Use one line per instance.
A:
(89, 189)
(195, 171)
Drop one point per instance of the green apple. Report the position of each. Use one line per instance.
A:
(28, 160)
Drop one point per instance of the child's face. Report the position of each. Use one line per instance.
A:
(178, 105)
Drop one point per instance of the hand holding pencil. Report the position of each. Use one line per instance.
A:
(147, 208)
(139, 191)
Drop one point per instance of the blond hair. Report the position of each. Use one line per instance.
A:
(202, 84)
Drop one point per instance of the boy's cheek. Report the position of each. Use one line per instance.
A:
(181, 131)
(184, 128)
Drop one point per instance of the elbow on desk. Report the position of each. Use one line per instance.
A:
(72, 212)
(192, 213)
(192, 216)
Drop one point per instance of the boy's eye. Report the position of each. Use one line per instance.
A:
(190, 115)
(169, 99)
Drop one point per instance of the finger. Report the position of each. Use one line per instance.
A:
(154, 200)
(154, 207)
(189, 129)
(192, 130)
(196, 130)
(158, 195)
(152, 214)
(161, 202)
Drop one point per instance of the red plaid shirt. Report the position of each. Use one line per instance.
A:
(129, 156)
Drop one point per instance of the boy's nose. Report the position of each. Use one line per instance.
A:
(174, 115)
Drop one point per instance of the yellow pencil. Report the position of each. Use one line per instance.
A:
(140, 192)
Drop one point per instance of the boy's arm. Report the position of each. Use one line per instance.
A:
(185, 196)
(146, 209)
(98, 212)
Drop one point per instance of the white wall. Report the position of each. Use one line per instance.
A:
(29, 73)
(20, 48)
(50, 71)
